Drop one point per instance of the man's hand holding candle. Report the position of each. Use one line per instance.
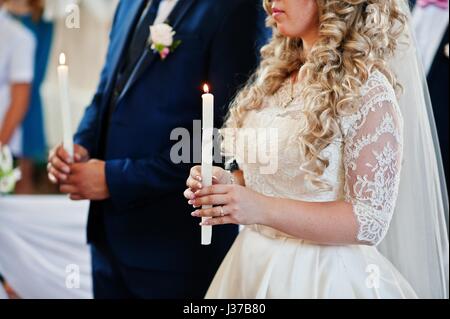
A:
(59, 162)
(82, 178)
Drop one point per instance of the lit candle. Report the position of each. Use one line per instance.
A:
(207, 153)
(63, 77)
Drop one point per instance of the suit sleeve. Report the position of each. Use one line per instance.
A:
(233, 57)
(86, 134)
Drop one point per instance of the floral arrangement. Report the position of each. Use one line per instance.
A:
(8, 174)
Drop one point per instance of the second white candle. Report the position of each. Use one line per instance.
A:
(207, 154)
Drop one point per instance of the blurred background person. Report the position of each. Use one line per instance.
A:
(29, 14)
(85, 48)
(17, 47)
(431, 19)
(42, 24)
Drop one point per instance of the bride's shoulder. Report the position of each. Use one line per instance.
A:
(378, 102)
(378, 86)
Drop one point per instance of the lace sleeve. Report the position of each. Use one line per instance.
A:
(372, 160)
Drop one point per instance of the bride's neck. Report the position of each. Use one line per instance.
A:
(309, 39)
(308, 45)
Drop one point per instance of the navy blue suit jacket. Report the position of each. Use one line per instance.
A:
(146, 221)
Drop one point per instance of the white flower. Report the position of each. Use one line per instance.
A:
(6, 159)
(161, 34)
(17, 174)
(7, 184)
(8, 175)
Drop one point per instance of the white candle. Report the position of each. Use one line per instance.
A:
(63, 77)
(207, 153)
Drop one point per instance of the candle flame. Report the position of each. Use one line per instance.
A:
(62, 59)
(206, 88)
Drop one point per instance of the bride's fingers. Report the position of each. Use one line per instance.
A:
(217, 221)
(196, 173)
(193, 184)
(189, 194)
(215, 180)
(215, 189)
(219, 211)
(209, 200)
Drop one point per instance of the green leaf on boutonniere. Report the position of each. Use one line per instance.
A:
(175, 45)
(159, 47)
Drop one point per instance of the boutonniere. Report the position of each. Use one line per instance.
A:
(162, 41)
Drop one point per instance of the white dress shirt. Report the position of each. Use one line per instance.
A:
(17, 46)
(165, 8)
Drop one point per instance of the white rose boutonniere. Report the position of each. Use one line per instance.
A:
(8, 175)
(162, 41)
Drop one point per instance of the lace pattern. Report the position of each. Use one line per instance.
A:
(364, 163)
(372, 159)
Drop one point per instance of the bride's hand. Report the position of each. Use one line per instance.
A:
(235, 205)
(194, 182)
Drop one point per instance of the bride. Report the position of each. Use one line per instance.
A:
(312, 228)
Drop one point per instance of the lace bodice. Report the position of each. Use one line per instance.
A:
(364, 163)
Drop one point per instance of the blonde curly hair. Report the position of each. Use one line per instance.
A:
(355, 36)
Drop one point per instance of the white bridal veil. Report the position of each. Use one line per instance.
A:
(417, 242)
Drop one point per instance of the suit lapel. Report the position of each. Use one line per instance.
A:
(133, 13)
(148, 57)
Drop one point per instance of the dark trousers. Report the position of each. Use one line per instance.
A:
(113, 280)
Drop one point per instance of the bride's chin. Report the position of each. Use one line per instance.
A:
(284, 32)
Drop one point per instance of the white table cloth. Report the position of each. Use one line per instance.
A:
(43, 250)
(2, 293)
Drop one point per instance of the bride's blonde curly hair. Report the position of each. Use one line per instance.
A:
(355, 36)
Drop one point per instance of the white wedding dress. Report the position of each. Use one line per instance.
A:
(364, 169)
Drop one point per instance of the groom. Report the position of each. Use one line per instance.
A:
(144, 243)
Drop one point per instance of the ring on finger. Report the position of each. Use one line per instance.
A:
(222, 212)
